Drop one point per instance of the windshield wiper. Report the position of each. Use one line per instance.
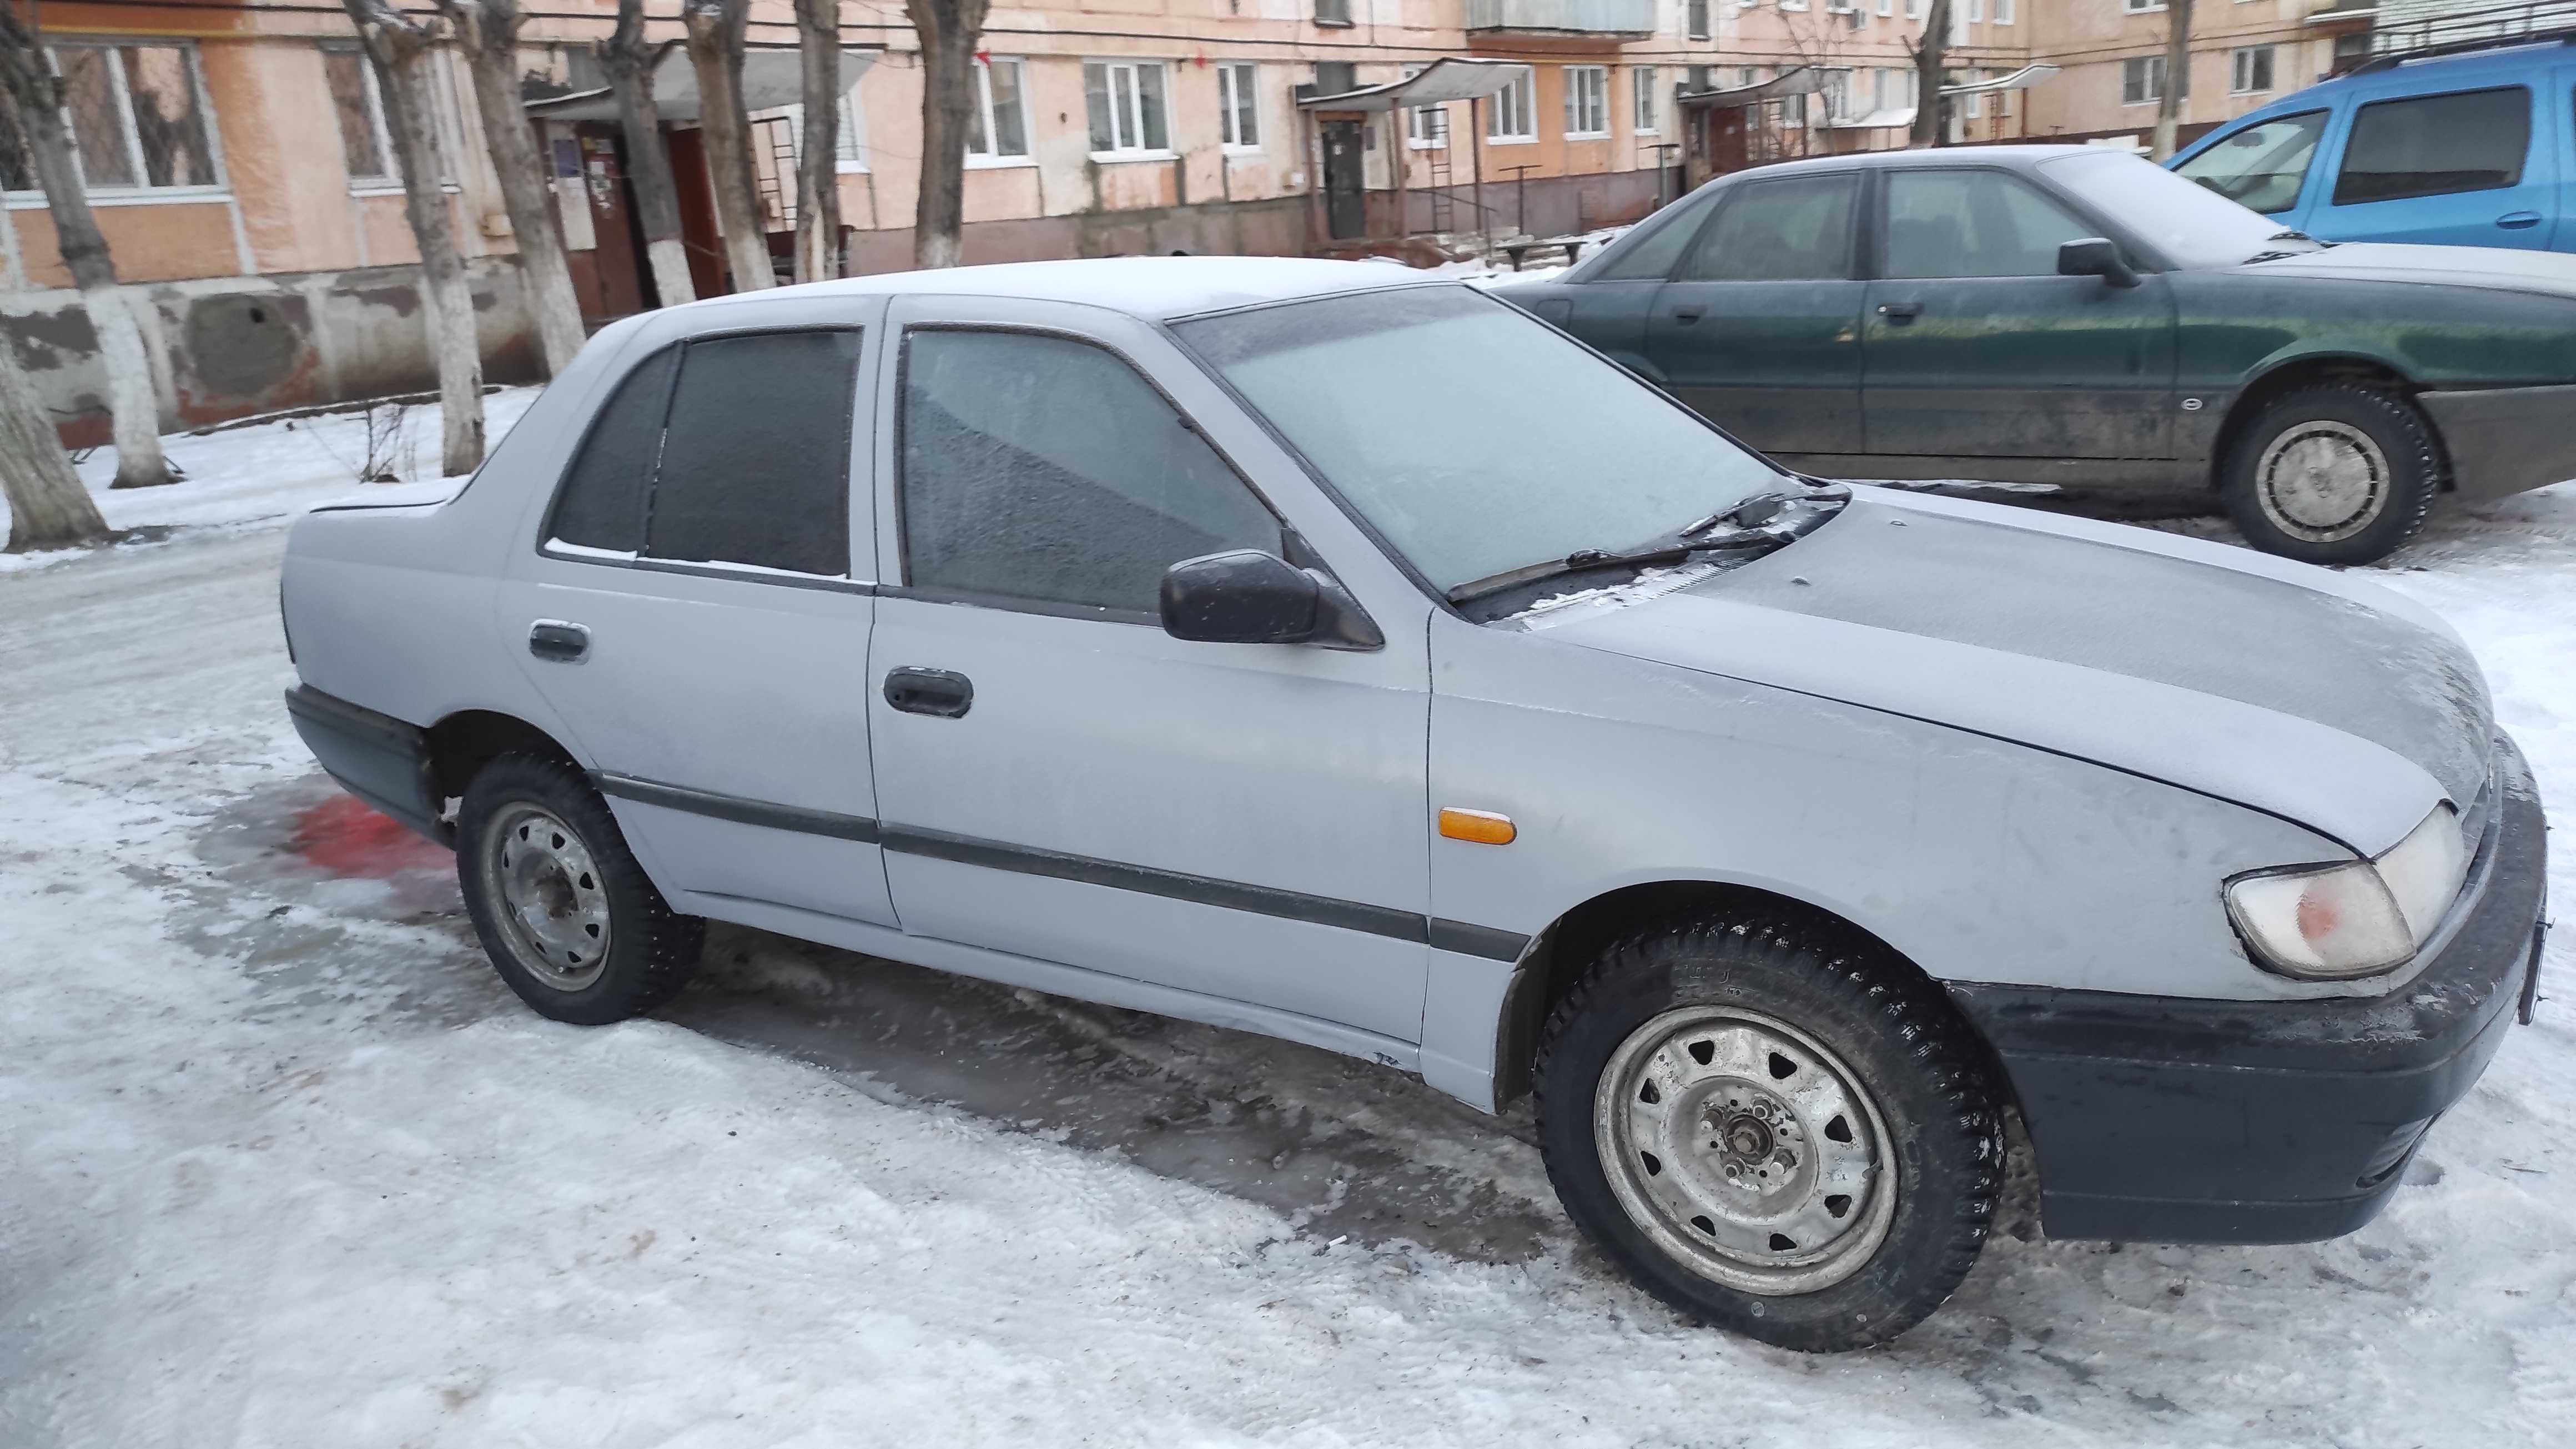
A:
(1585, 560)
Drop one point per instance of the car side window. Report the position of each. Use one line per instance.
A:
(1799, 229)
(1972, 223)
(2435, 146)
(2260, 168)
(1047, 469)
(1653, 255)
(723, 450)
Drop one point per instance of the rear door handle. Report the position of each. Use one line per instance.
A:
(940, 693)
(557, 642)
(2518, 220)
(1900, 313)
(1687, 315)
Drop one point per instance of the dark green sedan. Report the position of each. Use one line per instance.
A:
(2077, 316)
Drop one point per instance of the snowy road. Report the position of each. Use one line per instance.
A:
(286, 1165)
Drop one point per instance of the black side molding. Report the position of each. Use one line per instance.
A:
(738, 809)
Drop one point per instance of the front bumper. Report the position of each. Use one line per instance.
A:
(2160, 1119)
(2506, 440)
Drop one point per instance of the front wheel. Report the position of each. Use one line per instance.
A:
(1776, 1128)
(2332, 473)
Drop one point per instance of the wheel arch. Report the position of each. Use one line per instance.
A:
(2281, 375)
(464, 741)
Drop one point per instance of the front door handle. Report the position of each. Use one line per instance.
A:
(558, 642)
(1900, 313)
(2518, 220)
(940, 693)
(1687, 315)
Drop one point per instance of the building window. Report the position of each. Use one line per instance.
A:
(137, 117)
(1976, 99)
(1332, 12)
(2142, 80)
(1913, 9)
(1698, 13)
(1426, 127)
(1886, 7)
(1976, 9)
(1646, 78)
(365, 146)
(1837, 96)
(2141, 7)
(997, 129)
(2253, 70)
(1587, 101)
(2003, 12)
(1238, 88)
(1513, 115)
(1125, 98)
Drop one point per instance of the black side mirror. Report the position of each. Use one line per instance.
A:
(1245, 596)
(2094, 256)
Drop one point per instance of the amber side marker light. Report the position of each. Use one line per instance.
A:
(1480, 827)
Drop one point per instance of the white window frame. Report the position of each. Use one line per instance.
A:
(2240, 61)
(1697, 23)
(1977, 10)
(2141, 7)
(1914, 9)
(1793, 4)
(1886, 8)
(1524, 94)
(1577, 79)
(142, 190)
(389, 179)
(1426, 128)
(1645, 117)
(1837, 94)
(1232, 77)
(2003, 13)
(1976, 107)
(1122, 128)
(992, 134)
(2152, 74)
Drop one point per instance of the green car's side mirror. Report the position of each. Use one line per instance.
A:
(2094, 256)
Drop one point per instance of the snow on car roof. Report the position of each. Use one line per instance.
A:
(1156, 288)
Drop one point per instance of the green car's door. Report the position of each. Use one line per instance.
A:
(1976, 348)
(1759, 328)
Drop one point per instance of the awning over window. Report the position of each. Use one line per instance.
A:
(1804, 80)
(1450, 78)
(1899, 118)
(770, 79)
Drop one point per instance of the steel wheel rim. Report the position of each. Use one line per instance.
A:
(1721, 1157)
(553, 906)
(2322, 481)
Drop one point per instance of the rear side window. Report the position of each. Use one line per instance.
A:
(2436, 146)
(725, 450)
(1046, 469)
(1780, 231)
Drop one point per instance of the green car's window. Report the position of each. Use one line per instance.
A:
(1780, 231)
(2261, 166)
(1973, 224)
(2436, 146)
(1653, 253)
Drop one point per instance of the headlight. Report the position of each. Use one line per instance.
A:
(2357, 919)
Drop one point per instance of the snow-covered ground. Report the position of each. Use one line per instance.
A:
(285, 1165)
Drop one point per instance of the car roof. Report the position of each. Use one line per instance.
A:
(1154, 288)
(2014, 156)
(2505, 62)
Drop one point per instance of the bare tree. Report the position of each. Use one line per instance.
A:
(1931, 57)
(2169, 97)
(30, 88)
(400, 48)
(715, 31)
(488, 30)
(818, 184)
(48, 507)
(628, 60)
(949, 30)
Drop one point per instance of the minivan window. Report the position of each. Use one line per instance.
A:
(2436, 146)
(1798, 229)
(1462, 478)
(2262, 166)
(1046, 469)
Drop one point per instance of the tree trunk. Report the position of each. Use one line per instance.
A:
(400, 49)
(715, 30)
(818, 176)
(1931, 60)
(628, 60)
(133, 404)
(948, 31)
(48, 507)
(489, 31)
(2177, 76)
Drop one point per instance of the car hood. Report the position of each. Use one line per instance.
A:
(2293, 690)
(2493, 268)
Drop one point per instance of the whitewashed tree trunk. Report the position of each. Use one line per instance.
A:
(400, 50)
(489, 33)
(2177, 76)
(715, 30)
(48, 507)
(948, 31)
(818, 176)
(628, 60)
(133, 404)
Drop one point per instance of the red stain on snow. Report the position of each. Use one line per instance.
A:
(344, 837)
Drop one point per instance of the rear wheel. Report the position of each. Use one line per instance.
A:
(2333, 473)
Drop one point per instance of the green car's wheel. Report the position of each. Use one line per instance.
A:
(2333, 473)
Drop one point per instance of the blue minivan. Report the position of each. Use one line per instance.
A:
(2459, 149)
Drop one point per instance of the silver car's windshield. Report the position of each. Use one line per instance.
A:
(2189, 223)
(1474, 438)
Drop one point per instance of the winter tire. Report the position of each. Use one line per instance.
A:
(1774, 1127)
(567, 916)
(2332, 473)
